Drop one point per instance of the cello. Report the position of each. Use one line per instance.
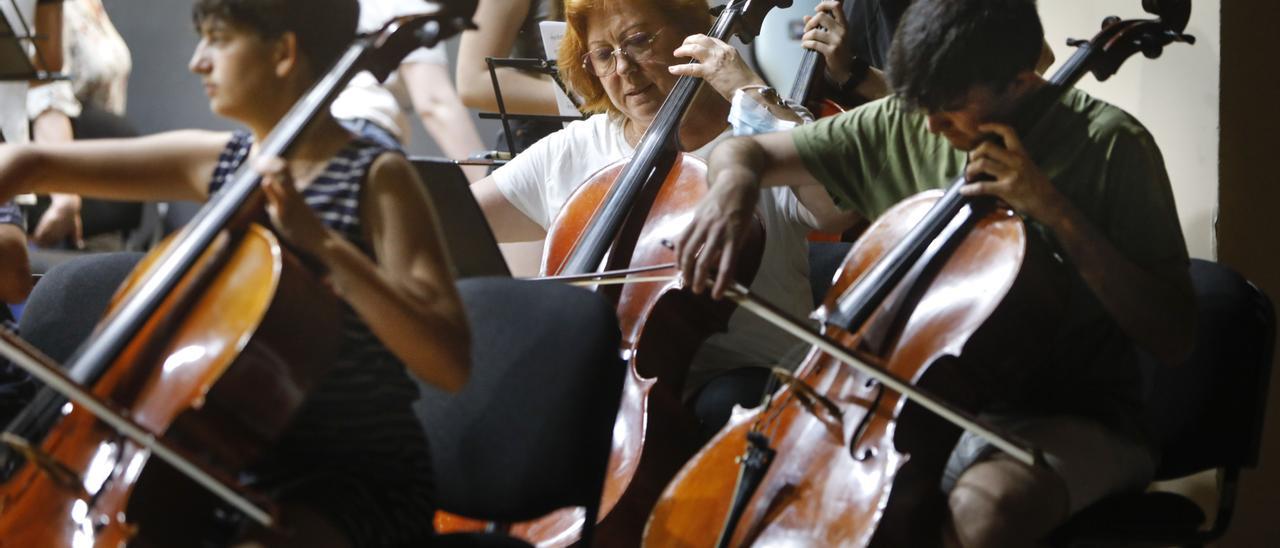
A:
(621, 218)
(804, 89)
(198, 364)
(817, 463)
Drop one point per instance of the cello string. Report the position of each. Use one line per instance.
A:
(1022, 451)
(624, 280)
(575, 279)
(1028, 454)
(28, 358)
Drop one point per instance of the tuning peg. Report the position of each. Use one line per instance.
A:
(429, 35)
(1076, 42)
(1110, 20)
(1152, 50)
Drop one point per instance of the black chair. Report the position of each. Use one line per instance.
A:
(1207, 415)
(530, 433)
(70, 299)
(825, 259)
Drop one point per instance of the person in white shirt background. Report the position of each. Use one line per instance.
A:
(375, 110)
(646, 37)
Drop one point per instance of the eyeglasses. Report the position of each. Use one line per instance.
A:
(637, 47)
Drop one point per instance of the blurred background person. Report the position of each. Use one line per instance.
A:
(509, 28)
(16, 386)
(374, 110)
(90, 105)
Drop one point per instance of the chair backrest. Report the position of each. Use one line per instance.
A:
(66, 305)
(1208, 413)
(825, 258)
(531, 431)
(468, 237)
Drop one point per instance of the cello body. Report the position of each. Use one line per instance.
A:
(219, 373)
(662, 326)
(626, 216)
(831, 480)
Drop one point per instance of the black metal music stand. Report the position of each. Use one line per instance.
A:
(469, 239)
(15, 63)
(533, 65)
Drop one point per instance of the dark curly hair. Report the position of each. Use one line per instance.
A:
(944, 48)
(324, 27)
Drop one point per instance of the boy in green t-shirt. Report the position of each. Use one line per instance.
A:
(1096, 191)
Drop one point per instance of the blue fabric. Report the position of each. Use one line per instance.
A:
(11, 214)
(16, 386)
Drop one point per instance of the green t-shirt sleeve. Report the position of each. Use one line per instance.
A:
(1141, 217)
(833, 151)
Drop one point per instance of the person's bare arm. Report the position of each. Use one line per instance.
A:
(48, 24)
(522, 92)
(508, 223)
(407, 297)
(773, 157)
(168, 166)
(442, 113)
(62, 219)
(15, 266)
(825, 32)
(826, 216)
(736, 171)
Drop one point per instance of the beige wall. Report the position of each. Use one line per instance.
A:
(1175, 96)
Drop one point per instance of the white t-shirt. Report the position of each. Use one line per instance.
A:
(540, 180)
(364, 98)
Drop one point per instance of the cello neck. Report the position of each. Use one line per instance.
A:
(812, 64)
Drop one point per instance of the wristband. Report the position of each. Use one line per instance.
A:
(857, 75)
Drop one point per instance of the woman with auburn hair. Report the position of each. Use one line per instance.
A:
(623, 57)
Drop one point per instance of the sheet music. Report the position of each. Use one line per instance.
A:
(552, 34)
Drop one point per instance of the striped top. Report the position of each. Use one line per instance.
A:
(356, 451)
(11, 214)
